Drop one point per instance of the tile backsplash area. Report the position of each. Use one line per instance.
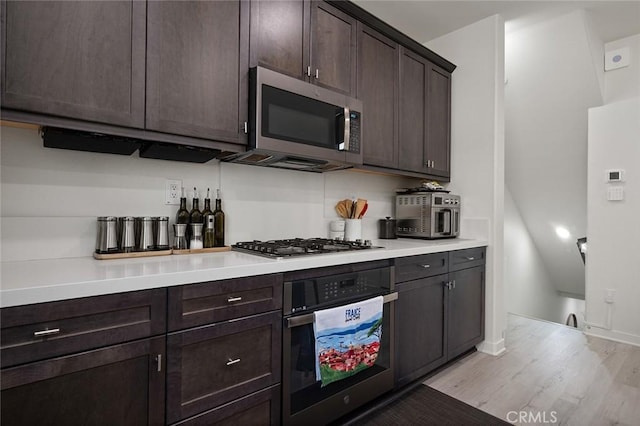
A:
(50, 198)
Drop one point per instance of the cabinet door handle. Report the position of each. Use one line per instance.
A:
(159, 362)
(425, 266)
(447, 285)
(470, 258)
(309, 71)
(46, 332)
(317, 73)
(234, 299)
(453, 283)
(246, 127)
(233, 361)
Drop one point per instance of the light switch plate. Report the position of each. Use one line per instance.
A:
(615, 193)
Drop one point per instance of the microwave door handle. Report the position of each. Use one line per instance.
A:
(347, 129)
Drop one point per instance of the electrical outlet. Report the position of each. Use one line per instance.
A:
(173, 189)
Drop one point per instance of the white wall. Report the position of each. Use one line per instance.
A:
(624, 83)
(477, 156)
(51, 197)
(612, 258)
(551, 82)
(613, 234)
(529, 289)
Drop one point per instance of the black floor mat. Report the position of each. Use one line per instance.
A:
(424, 405)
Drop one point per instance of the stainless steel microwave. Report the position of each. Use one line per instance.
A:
(297, 125)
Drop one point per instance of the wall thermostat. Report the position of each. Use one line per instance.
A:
(615, 175)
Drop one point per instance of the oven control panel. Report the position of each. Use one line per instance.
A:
(342, 288)
(328, 291)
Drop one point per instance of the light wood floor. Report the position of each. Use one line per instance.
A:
(553, 372)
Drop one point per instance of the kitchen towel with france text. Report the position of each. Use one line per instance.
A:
(347, 339)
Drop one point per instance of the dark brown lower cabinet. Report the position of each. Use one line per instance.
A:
(465, 310)
(116, 385)
(420, 327)
(438, 317)
(212, 365)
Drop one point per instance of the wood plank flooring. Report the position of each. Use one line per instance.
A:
(550, 374)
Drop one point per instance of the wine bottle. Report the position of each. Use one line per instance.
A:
(207, 207)
(209, 231)
(195, 216)
(182, 216)
(218, 214)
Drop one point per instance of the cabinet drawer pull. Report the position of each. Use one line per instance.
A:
(470, 258)
(233, 361)
(234, 299)
(46, 332)
(425, 266)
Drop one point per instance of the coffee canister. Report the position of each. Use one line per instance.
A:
(161, 232)
(387, 228)
(126, 234)
(107, 235)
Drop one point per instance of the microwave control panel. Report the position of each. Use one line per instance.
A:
(354, 131)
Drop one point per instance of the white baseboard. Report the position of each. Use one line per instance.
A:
(491, 348)
(616, 336)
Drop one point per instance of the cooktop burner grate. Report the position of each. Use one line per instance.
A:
(278, 249)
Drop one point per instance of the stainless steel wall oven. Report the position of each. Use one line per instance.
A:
(304, 401)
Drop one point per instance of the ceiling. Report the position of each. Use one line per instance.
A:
(425, 20)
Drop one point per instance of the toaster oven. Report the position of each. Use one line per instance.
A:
(428, 215)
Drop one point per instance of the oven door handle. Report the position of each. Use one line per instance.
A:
(308, 318)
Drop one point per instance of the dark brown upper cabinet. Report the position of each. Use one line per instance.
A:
(438, 146)
(80, 60)
(197, 68)
(378, 59)
(308, 40)
(424, 116)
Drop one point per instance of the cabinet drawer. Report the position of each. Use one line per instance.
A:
(205, 303)
(414, 267)
(260, 408)
(467, 258)
(44, 330)
(212, 365)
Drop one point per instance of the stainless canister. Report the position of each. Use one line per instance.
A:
(387, 228)
(126, 234)
(161, 226)
(144, 234)
(107, 235)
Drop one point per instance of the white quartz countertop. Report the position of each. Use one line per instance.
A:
(36, 281)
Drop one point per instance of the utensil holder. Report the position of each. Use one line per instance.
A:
(352, 229)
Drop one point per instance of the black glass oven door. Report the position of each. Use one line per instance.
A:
(304, 390)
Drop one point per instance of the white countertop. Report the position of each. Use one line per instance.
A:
(37, 281)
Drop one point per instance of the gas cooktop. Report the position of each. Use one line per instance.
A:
(278, 249)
